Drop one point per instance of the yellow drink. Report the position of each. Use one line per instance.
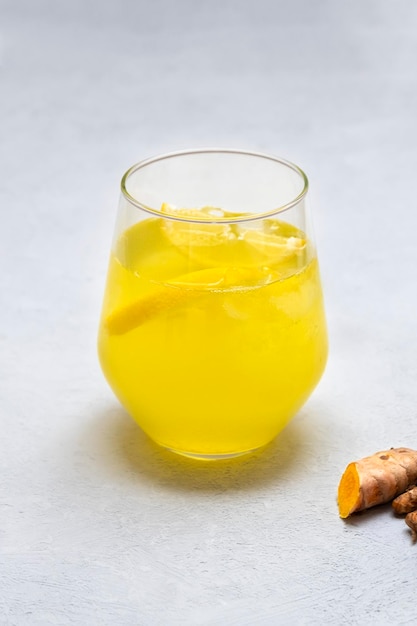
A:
(212, 335)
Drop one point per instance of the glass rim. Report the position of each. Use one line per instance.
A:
(214, 219)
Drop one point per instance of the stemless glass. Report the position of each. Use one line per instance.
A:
(213, 331)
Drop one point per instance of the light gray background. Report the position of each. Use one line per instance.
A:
(97, 525)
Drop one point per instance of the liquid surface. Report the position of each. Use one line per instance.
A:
(212, 335)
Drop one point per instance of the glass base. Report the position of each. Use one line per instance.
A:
(212, 457)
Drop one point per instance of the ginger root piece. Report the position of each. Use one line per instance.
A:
(406, 502)
(376, 479)
(411, 521)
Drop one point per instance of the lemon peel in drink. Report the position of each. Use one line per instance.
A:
(182, 291)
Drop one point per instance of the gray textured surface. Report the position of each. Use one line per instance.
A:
(97, 526)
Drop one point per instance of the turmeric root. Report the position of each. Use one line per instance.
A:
(406, 502)
(411, 521)
(376, 479)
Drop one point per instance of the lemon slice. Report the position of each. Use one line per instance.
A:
(181, 291)
(272, 246)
